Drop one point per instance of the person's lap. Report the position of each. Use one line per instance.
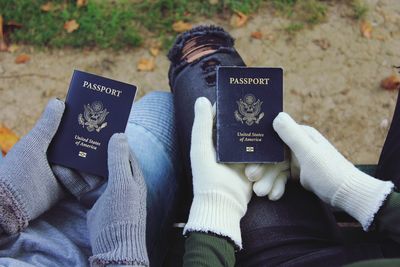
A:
(60, 236)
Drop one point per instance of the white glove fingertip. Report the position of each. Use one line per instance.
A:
(253, 172)
(279, 187)
(292, 133)
(260, 191)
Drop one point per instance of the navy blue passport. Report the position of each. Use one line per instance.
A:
(95, 109)
(248, 100)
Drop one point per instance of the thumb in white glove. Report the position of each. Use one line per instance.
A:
(269, 179)
(221, 192)
(324, 171)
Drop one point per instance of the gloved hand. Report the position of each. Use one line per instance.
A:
(28, 186)
(117, 221)
(324, 171)
(269, 179)
(221, 192)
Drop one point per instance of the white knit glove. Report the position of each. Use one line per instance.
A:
(269, 179)
(221, 192)
(324, 171)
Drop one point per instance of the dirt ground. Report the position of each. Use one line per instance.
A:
(332, 74)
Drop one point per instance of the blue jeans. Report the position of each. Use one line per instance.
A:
(60, 236)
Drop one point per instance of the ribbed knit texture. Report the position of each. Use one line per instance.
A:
(117, 221)
(331, 176)
(155, 112)
(217, 213)
(221, 192)
(362, 196)
(28, 186)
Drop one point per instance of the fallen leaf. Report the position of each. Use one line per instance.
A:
(322, 43)
(145, 64)
(71, 26)
(391, 83)
(181, 26)
(47, 7)
(238, 19)
(3, 45)
(22, 58)
(366, 29)
(7, 139)
(154, 51)
(81, 3)
(13, 48)
(256, 35)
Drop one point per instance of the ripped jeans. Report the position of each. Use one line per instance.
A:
(298, 230)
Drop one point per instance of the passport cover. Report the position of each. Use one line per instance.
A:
(95, 109)
(248, 100)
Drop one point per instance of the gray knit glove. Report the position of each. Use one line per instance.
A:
(117, 221)
(28, 186)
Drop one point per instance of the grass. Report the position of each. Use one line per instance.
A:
(360, 9)
(125, 23)
(294, 27)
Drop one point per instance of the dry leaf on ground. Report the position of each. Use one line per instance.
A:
(47, 7)
(22, 58)
(322, 43)
(154, 51)
(366, 29)
(181, 26)
(391, 83)
(145, 64)
(7, 139)
(3, 45)
(256, 35)
(71, 26)
(238, 19)
(81, 3)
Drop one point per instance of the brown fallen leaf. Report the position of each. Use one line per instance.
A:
(3, 45)
(154, 51)
(22, 58)
(322, 43)
(71, 25)
(7, 139)
(81, 3)
(145, 64)
(366, 29)
(181, 26)
(256, 35)
(391, 83)
(47, 7)
(238, 19)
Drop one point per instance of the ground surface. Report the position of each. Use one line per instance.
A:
(332, 74)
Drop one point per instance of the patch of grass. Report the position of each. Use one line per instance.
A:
(122, 23)
(98, 25)
(360, 9)
(314, 11)
(285, 6)
(107, 24)
(294, 27)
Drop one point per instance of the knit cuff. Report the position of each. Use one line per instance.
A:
(13, 215)
(361, 196)
(216, 213)
(120, 243)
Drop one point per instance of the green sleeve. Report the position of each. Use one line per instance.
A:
(388, 218)
(208, 250)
